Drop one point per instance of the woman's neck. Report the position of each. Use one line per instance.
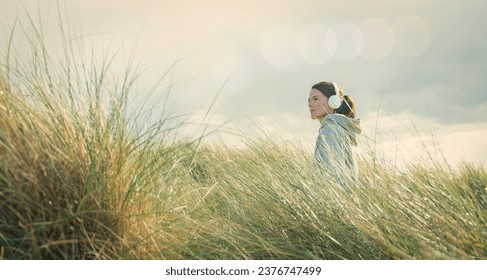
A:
(322, 119)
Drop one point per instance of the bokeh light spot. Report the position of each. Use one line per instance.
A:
(349, 41)
(413, 36)
(378, 38)
(312, 43)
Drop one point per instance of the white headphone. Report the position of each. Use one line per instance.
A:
(335, 101)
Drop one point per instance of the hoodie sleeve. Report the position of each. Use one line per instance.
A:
(330, 147)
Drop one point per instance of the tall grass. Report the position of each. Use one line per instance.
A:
(77, 181)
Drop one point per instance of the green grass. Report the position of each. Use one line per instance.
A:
(79, 181)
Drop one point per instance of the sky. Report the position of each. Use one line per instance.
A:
(415, 68)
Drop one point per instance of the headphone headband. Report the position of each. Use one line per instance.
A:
(335, 87)
(335, 101)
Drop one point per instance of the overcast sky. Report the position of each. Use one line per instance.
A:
(420, 62)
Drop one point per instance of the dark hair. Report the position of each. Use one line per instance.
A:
(348, 105)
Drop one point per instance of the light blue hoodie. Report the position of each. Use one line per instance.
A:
(333, 152)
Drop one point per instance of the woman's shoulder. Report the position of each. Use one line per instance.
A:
(332, 129)
(338, 122)
(331, 123)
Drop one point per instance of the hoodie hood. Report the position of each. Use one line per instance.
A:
(349, 126)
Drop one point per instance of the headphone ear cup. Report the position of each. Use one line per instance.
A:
(334, 102)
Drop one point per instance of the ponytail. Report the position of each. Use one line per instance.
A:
(347, 108)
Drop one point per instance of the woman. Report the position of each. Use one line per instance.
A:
(338, 131)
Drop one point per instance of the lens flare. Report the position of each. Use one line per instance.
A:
(378, 38)
(349, 41)
(312, 43)
(413, 36)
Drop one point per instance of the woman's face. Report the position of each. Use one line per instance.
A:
(318, 104)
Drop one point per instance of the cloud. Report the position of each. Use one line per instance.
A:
(404, 137)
